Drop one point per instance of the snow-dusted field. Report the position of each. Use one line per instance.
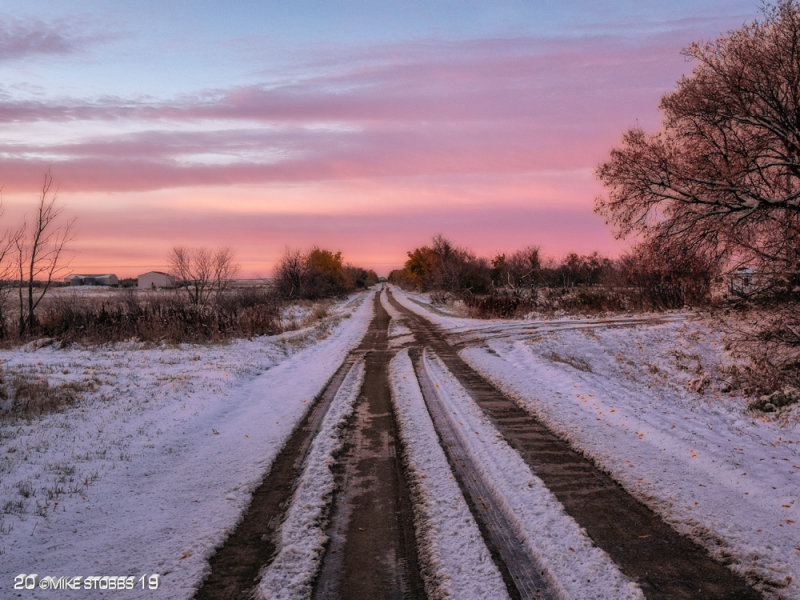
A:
(646, 403)
(157, 460)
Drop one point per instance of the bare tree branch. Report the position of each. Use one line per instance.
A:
(39, 249)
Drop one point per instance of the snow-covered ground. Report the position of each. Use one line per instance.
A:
(157, 459)
(153, 465)
(646, 402)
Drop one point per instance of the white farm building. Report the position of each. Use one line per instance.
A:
(155, 279)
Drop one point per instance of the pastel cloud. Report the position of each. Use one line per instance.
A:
(23, 38)
(488, 106)
(471, 80)
(491, 142)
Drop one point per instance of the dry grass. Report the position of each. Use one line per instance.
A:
(30, 395)
(575, 362)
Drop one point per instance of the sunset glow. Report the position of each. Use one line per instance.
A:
(365, 128)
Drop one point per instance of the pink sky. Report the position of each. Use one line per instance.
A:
(368, 149)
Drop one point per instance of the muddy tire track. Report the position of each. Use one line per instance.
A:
(522, 574)
(666, 565)
(372, 551)
(235, 566)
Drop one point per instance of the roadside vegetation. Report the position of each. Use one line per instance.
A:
(524, 282)
(205, 306)
(318, 273)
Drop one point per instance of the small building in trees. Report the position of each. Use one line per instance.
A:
(155, 279)
(103, 279)
(743, 282)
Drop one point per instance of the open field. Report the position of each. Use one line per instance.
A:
(391, 449)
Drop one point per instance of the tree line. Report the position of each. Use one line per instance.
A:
(508, 284)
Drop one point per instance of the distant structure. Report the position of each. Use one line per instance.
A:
(155, 279)
(244, 283)
(106, 280)
(743, 282)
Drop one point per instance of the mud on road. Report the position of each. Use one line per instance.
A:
(372, 553)
(372, 550)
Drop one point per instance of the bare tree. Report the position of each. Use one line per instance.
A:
(7, 272)
(205, 273)
(39, 247)
(524, 267)
(723, 175)
(290, 274)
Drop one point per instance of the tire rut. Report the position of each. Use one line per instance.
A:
(236, 564)
(522, 574)
(372, 550)
(665, 564)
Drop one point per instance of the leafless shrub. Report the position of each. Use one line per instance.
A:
(767, 338)
(507, 303)
(25, 489)
(320, 311)
(658, 277)
(440, 297)
(498, 304)
(14, 507)
(575, 362)
(590, 300)
(204, 274)
(259, 319)
(157, 317)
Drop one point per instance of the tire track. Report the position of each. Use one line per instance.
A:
(522, 573)
(236, 564)
(666, 565)
(372, 550)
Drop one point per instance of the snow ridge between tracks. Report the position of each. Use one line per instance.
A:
(302, 538)
(459, 564)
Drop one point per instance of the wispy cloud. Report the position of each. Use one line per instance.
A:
(491, 141)
(419, 109)
(24, 38)
(456, 81)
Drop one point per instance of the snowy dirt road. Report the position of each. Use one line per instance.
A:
(413, 454)
(502, 507)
